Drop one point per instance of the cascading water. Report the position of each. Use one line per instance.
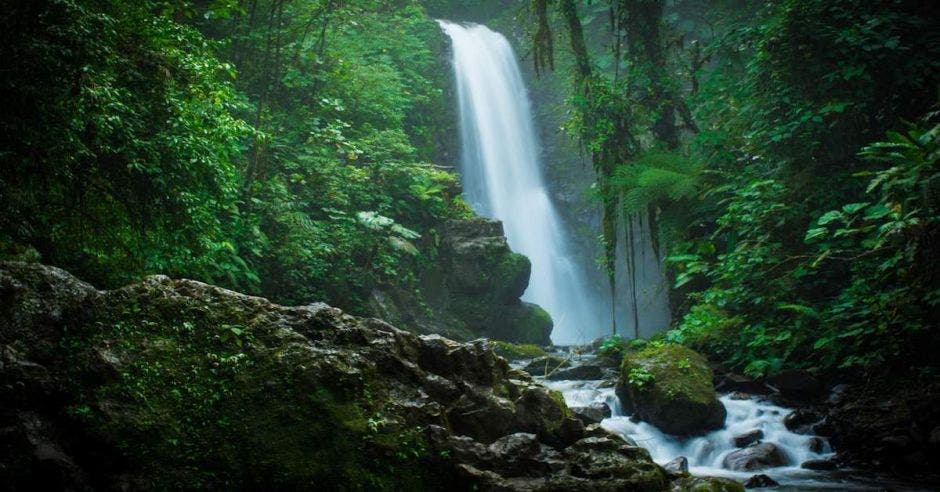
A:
(502, 179)
(706, 453)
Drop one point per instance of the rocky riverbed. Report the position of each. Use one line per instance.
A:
(790, 432)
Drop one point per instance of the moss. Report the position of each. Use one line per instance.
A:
(671, 387)
(707, 484)
(675, 369)
(212, 399)
(510, 275)
(534, 326)
(516, 351)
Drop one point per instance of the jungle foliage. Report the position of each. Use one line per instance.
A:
(280, 147)
(789, 152)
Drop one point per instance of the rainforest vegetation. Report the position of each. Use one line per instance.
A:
(786, 153)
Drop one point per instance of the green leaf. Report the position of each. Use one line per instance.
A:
(852, 208)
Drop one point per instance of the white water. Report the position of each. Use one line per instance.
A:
(706, 453)
(502, 179)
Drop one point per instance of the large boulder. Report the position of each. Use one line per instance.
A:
(472, 290)
(757, 457)
(670, 386)
(176, 384)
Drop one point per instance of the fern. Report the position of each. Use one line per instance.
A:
(657, 176)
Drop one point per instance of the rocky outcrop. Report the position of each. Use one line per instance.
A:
(472, 290)
(670, 387)
(176, 384)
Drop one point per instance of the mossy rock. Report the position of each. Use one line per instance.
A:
(516, 351)
(670, 386)
(706, 484)
(528, 324)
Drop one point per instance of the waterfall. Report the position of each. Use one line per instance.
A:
(502, 179)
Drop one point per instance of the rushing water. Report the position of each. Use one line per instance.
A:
(706, 453)
(502, 179)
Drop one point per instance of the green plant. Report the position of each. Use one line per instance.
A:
(640, 378)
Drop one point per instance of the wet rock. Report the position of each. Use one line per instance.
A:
(544, 365)
(593, 413)
(706, 484)
(838, 394)
(747, 438)
(677, 467)
(801, 420)
(764, 455)
(816, 444)
(760, 481)
(797, 385)
(670, 387)
(738, 395)
(585, 372)
(543, 412)
(519, 444)
(823, 428)
(818, 465)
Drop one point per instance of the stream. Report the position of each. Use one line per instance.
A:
(706, 453)
(502, 178)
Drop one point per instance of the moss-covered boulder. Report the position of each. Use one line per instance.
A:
(179, 385)
(670, 386)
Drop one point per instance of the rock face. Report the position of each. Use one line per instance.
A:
(471, 291)
(175, 384)
(670, 387)
(764, 455)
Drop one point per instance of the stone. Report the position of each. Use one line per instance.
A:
(747, 438)
(593, 413)
(678, 466)
(838, 394)
(541, 366)
(816, 444)
(797, 385)
(731, 382)
(283, 397)
(670, 386)
(818, 465)
(518, 444)
(763, 455)
(801, 420)
(760, 481)
(706, 484)
(585, 372)
(473, 290)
